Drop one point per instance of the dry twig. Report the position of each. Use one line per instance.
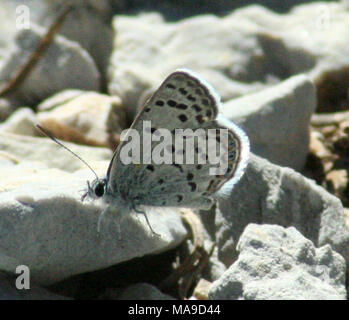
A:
(35, 56)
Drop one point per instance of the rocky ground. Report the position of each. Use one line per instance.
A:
(283, 231)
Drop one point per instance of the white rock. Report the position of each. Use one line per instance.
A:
(271, 194)
(65, 64)
(244, 51)
(6, 108)
(147, 49)
(21, 122)
(280, 264)
(89, 118)
(96, 35)
(59, 98)
(23, 148)
(277, 119)
(44, 225)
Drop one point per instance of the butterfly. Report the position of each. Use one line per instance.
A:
(184, 101)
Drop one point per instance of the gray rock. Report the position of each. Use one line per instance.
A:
(280, 264)
(201, 290)
(271, 194)
(96, 35)
(65, 64)
(8, 16)
(59, 98)
(87, 24)
(6, 108)
(277, 119)
(249, 49)
(158, 48)
(21, 122)
(8, 290)
(45, 226)
(32, 149)
(90, 118)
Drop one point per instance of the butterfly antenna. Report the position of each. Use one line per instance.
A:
(46, 133)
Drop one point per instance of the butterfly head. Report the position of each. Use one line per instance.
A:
(96, 189)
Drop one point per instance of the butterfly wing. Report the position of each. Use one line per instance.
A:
(183, 101)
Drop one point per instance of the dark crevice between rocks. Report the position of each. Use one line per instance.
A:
(282, 62)
(92, 285)
(332, 91)
(174, 10)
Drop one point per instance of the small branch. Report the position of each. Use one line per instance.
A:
(195, 272)
(192, 266)
(322, 119)
(23, 71)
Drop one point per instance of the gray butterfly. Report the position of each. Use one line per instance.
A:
(183, 101)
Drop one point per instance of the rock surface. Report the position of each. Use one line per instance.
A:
(96, 36)
(45, 226)
(284, 197)
(255, 49)
(65, 64)
(89, 118)
(43, 150)
(277, 119)
(280, 264)
(8, 290)
(22, 122)
(282, 65)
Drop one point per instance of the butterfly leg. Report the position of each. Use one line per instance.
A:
(146, 218)
(100, 219)
(85, 192)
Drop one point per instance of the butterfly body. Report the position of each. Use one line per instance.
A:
(182, 120)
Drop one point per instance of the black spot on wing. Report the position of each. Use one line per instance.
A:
(190, 176)
(196, 107)
(171, 103)
(170, 86)
(179, 198)
(183, 117)
(192, 186)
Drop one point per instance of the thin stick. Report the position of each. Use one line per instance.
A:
(323, 119)
(23, 71)
(191, 277)
(49, 135)
(190, 262)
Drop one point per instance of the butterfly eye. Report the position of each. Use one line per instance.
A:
(99, 190)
